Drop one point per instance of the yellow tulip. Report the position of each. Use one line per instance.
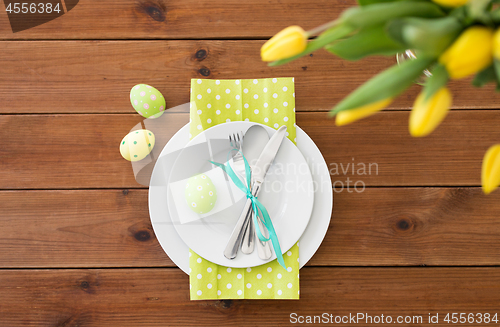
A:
(490, 174)
(451, 3)
(496, 44)
(287, 43)
(348, 116)
(470, 53)
(427, 115)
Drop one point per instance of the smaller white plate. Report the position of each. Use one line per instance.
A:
(287, 194)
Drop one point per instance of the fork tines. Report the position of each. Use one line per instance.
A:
(236, 139)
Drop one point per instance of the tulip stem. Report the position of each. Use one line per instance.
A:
(322, 28)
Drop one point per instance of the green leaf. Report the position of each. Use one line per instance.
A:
(478, 10)
(429, 36)
(485, 76)
(477, 7)
(435, 82)
(360, 17)
(376, 14)
(372, 2)
(370, 41)
(333, 34)
(387, 84)
(495, 16)
(496, 63)
(460, 13)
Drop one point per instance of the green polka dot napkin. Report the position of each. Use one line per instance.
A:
(271, 102)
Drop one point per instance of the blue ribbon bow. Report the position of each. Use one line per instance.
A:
(257, 206)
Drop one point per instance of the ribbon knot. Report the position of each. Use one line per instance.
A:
(257, 207)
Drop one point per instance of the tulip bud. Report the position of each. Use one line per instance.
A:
(348, 116)
(287, 43)
(451, 3)
(428, 114)
(470, 53)
(490, 174)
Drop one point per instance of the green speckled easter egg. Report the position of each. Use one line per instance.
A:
(136, 145)
(200, 194)
(147, 101)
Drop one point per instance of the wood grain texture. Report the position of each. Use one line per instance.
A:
(96, 76)
(91, 228)
(451, 155)
(81, 151)
(412, 226)
(68, 199)
(179, 19)
(378, 227)
(73, 151)
(159, 297)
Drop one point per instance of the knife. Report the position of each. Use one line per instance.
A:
(259, 172)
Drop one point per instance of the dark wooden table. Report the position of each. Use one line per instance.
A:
(76, 243)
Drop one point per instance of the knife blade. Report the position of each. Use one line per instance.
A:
(259, 172)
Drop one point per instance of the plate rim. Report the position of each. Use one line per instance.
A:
(250, 261)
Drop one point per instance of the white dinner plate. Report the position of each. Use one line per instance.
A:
(178, 251)
(287, 193)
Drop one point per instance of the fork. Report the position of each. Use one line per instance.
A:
(236, 141)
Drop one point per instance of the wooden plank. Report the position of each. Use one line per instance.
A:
(96, 76)
(412, 226)
(451, 155)
(72, 151)
(378, 227)
(159, 297)
(179, 19)
(91, 228)
(81, 151)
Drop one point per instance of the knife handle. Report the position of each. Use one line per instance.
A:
(263, 248)
(236, 237)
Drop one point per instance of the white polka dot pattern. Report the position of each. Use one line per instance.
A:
(266, 281)
(272, 103)
(267, 101)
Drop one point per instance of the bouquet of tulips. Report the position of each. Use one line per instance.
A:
(452, 39)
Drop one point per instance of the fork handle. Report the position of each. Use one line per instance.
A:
(247, 245)
(236, 237)
(234, 241)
